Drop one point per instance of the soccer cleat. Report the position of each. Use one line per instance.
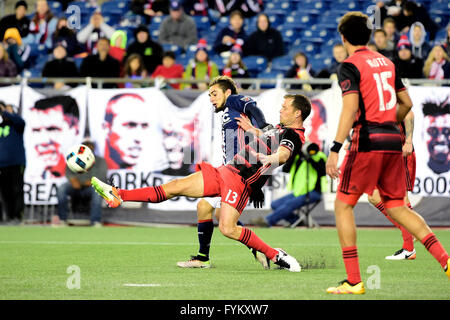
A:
(108, 192)
(195, 262)
(286, 261)
(261, 258)
(447, 269)
(345, 287)
(403, 254)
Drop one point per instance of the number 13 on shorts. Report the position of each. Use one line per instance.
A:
(231, 197)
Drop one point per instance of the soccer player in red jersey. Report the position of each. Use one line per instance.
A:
(374, 101)
(237, 181)
(407, 252)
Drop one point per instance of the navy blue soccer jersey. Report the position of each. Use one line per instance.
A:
(233, 136)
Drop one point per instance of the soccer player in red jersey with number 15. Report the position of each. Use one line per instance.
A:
(374, 101)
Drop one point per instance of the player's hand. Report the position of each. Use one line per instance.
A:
(407, 149)
(264, 159)
(332, 169)
(244, 122)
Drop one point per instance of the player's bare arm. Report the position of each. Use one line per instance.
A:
(276, 159)
(409, 128)
(404, 104)
(349, 108)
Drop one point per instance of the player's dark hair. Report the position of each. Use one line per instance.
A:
(434, 109)
(224, 83)
(354, 26)
(300, 102)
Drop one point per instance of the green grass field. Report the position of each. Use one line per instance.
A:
(34, 262)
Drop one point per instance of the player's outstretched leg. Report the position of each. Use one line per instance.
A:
(229, 228)
(407, 252)
(190, 186)
(417, 226)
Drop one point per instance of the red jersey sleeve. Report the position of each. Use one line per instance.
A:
(349, 78)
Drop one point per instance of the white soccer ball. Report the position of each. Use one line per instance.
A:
(80, 158)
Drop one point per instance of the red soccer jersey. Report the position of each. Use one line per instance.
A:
(373, 77)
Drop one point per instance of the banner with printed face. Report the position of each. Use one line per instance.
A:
(53, 125)
(431, 139)
(147, 140)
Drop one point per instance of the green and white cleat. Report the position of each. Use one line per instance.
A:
(108, 192)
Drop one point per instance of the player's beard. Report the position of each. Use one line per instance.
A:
(217, 110)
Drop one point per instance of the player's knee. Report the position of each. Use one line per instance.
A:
(373, 200)
(227, 230)
(204, 210)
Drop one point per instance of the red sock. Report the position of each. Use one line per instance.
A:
(149, 194)
(250, 239)
(351, 262)
(408, 243)
(433, 245)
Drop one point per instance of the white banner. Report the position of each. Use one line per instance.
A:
(10, 95)
(432, 140)
(53, 125)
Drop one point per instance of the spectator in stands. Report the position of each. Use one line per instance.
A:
(149, 50)
(391, 33)
(408, 66)
(66, 36)
(235, 67)
(79, 184)
(339, 55)
(150, 8)
(412, 12)
(265, 41)
(12, 163)
(201, 68)
(169, 69)
(307, 181)
(178, 29)
(101, 65)
(42, 25)
(248, 8)
(437, 65)
(118, 45)
(60, 66)
(380, 39)
(417, 36)
(18, 51)
(300, 70)
(134, 68)
(7, 66)
(232, 34)
(95, 30)
(17, 20)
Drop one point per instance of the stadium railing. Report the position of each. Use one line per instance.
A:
(255, 83)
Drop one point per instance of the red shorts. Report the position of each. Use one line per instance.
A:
(364, 171)
(410, 166)
(225, 182)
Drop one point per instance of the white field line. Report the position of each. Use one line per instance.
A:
(142, 285)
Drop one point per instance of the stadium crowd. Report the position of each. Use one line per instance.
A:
(198, 39)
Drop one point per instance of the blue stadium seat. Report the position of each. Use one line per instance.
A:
(172, 47)
(156, 22)
(276, 17)
(269, 75)
(112, 19)
(55, 7)
(255, 63)
(201, 22)
(282, 64)
(281, 5)
(298, 22)
(321, 6)
(440, 17)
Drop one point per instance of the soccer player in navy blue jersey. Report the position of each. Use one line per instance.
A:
(233, 106)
